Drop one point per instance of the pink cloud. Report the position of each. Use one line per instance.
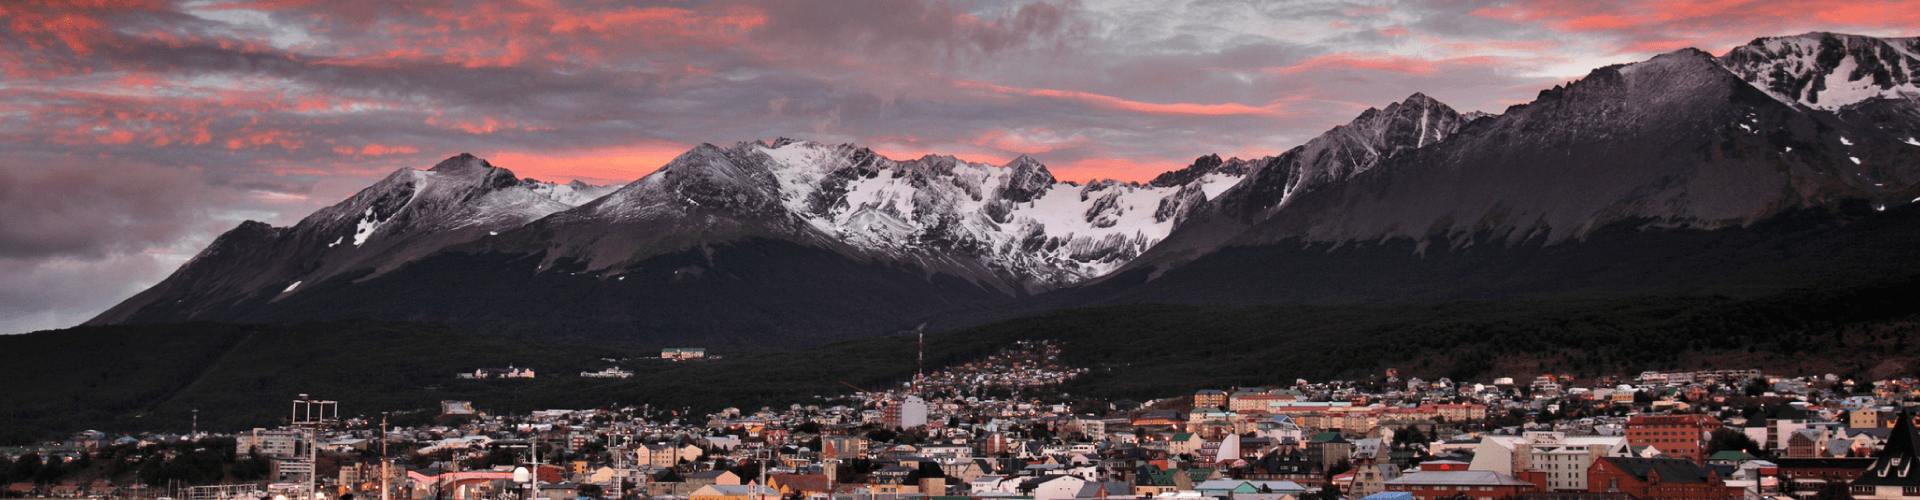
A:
(1394, 64)
(1643, 26)
(1112, 103)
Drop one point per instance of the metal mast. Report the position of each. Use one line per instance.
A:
(384, 474)
(920, 372)
(311, 415)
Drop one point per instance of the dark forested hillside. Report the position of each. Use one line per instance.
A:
(149, 377)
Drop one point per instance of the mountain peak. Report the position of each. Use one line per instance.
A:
(1421, 100)
(1027, 180)
(462, 162)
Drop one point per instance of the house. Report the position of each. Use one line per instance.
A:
(1659, 479)
(1369, 477)
(1280, 428)
(1328, 448)
(713, 477)
(1184, 443)
(798, 484)
(893, 474)
(1290, 463)
(1237, 487)
(1054, 488)
(966, 470)
(1806, 443)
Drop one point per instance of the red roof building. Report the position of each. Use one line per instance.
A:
(1658, 479)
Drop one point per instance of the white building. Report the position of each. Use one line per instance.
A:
(1562, 460)
(276, 443)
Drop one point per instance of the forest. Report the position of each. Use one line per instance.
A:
(152, 377)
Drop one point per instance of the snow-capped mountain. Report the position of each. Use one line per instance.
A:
(1867, 81)
(407, 215)
(1676, 171)
(1013, 227)
(800, 233)
(1829, 71)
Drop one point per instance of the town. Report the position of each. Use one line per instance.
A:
(997, 427)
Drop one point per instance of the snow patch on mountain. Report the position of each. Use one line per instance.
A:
(571, 194)
(365, 228)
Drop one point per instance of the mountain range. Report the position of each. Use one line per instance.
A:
(1787, 162)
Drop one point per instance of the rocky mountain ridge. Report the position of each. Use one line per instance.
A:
(1682, 142)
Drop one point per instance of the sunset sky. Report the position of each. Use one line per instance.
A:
(134, 132)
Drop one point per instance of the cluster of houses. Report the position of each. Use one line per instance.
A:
(980, 430)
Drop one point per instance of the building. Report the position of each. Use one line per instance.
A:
(1807, 443)
(456, 407)
(1210, 398)
(275, 443)
(614, 372)
(734, 492)
(843, 447)
(1328, 449)
(1803, 477)
(509, 372)
(680, 353)
(1457, 412)
(1678, 436)
(799, 484)
(1473, 484)
(1892, 476)
(1659, 479)
(1370, 478)
(909, 413)
(1257, 403)
(1552, 460)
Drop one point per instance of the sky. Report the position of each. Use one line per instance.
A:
(133, 132)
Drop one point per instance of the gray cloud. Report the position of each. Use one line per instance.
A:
(125, 147)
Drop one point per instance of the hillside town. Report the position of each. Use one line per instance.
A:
(993, 428)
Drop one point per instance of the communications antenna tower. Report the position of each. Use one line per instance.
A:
(311, 416)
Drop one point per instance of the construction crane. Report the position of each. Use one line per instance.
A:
(857, 388)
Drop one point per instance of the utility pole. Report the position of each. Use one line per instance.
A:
(384, 486)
